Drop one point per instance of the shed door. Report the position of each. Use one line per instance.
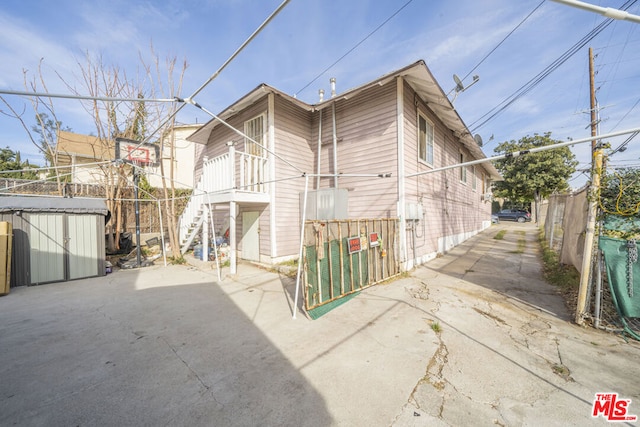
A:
(82, 246)
(250, 236)
(47, 248)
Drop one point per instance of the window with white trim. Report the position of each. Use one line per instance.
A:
(463, 170)
(474, 180)
(425, 139)
(255, 129)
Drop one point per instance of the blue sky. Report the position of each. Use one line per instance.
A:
(310, 35)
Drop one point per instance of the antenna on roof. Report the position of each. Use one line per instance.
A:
(460, 87)
(478, 139)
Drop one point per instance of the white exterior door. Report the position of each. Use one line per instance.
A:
(250, 236)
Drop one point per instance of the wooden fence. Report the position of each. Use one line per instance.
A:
(344, 256)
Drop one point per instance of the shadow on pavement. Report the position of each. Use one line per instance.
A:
(115, 351)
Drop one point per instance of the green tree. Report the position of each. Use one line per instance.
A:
(10, 161)
(533, 176)
(47, 130)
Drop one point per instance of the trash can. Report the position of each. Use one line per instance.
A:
(197, 251)
(6, 235)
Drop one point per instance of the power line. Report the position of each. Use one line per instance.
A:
(504, 39)
(239, 132)
(531, 84)
(222, 67)
(355, 47)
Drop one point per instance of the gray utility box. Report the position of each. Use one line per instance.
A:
(326, 204)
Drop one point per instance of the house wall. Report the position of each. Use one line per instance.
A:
(452, 210)
(367, 144)
(216, 146)
(221, 135)
(293, 143)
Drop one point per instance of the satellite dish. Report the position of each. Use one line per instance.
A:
(459, 85)
(478, 139)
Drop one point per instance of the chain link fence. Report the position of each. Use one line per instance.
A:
(564, 227)
(150, 218)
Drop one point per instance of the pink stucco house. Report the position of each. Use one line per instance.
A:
(361, 154)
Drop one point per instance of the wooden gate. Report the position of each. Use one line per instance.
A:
(344, 256)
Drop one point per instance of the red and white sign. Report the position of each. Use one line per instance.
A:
(354, 245)
(612, 408)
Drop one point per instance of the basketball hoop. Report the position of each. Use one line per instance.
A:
(137, 153)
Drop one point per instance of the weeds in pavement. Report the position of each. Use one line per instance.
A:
(290, 263)
(522, 242)
(177, 260)
(565, 277)
(435, 326)
(500, 234)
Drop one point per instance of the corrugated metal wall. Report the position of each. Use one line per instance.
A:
(46, 236)
(53, 247)
(83, 246)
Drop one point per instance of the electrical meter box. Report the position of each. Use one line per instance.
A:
(413, 211)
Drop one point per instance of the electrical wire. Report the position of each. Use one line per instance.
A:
(504, 39)
(536, 80)
(239, 132)
(222, 67)
(355, 47)
(622, 146)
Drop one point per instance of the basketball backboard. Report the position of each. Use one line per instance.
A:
(139, 153)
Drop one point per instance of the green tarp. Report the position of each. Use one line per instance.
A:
(326, 285)
(626, 292)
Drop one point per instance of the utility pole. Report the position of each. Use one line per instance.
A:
(594, 190)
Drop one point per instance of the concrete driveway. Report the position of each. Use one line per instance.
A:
(472, 338)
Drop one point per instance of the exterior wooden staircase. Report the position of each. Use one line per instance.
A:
(219, 183)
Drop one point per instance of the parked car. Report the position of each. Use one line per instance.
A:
(495, 219)
(514, 215)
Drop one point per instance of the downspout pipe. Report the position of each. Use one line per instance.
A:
(321, 92)
(335, 135)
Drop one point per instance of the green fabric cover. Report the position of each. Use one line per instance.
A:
(615, 256)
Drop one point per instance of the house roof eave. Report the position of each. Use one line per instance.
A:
(201, 136)
(419, 77)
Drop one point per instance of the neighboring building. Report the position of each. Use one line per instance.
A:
(83, 154)
(86, 155)
(184, 155)
(395, 126)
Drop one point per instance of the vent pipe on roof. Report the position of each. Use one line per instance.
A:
(321, 93)
(332, 80)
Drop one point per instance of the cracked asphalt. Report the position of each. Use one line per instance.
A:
(508, 353)
(474, 337)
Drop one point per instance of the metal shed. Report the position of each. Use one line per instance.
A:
(55, 239)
